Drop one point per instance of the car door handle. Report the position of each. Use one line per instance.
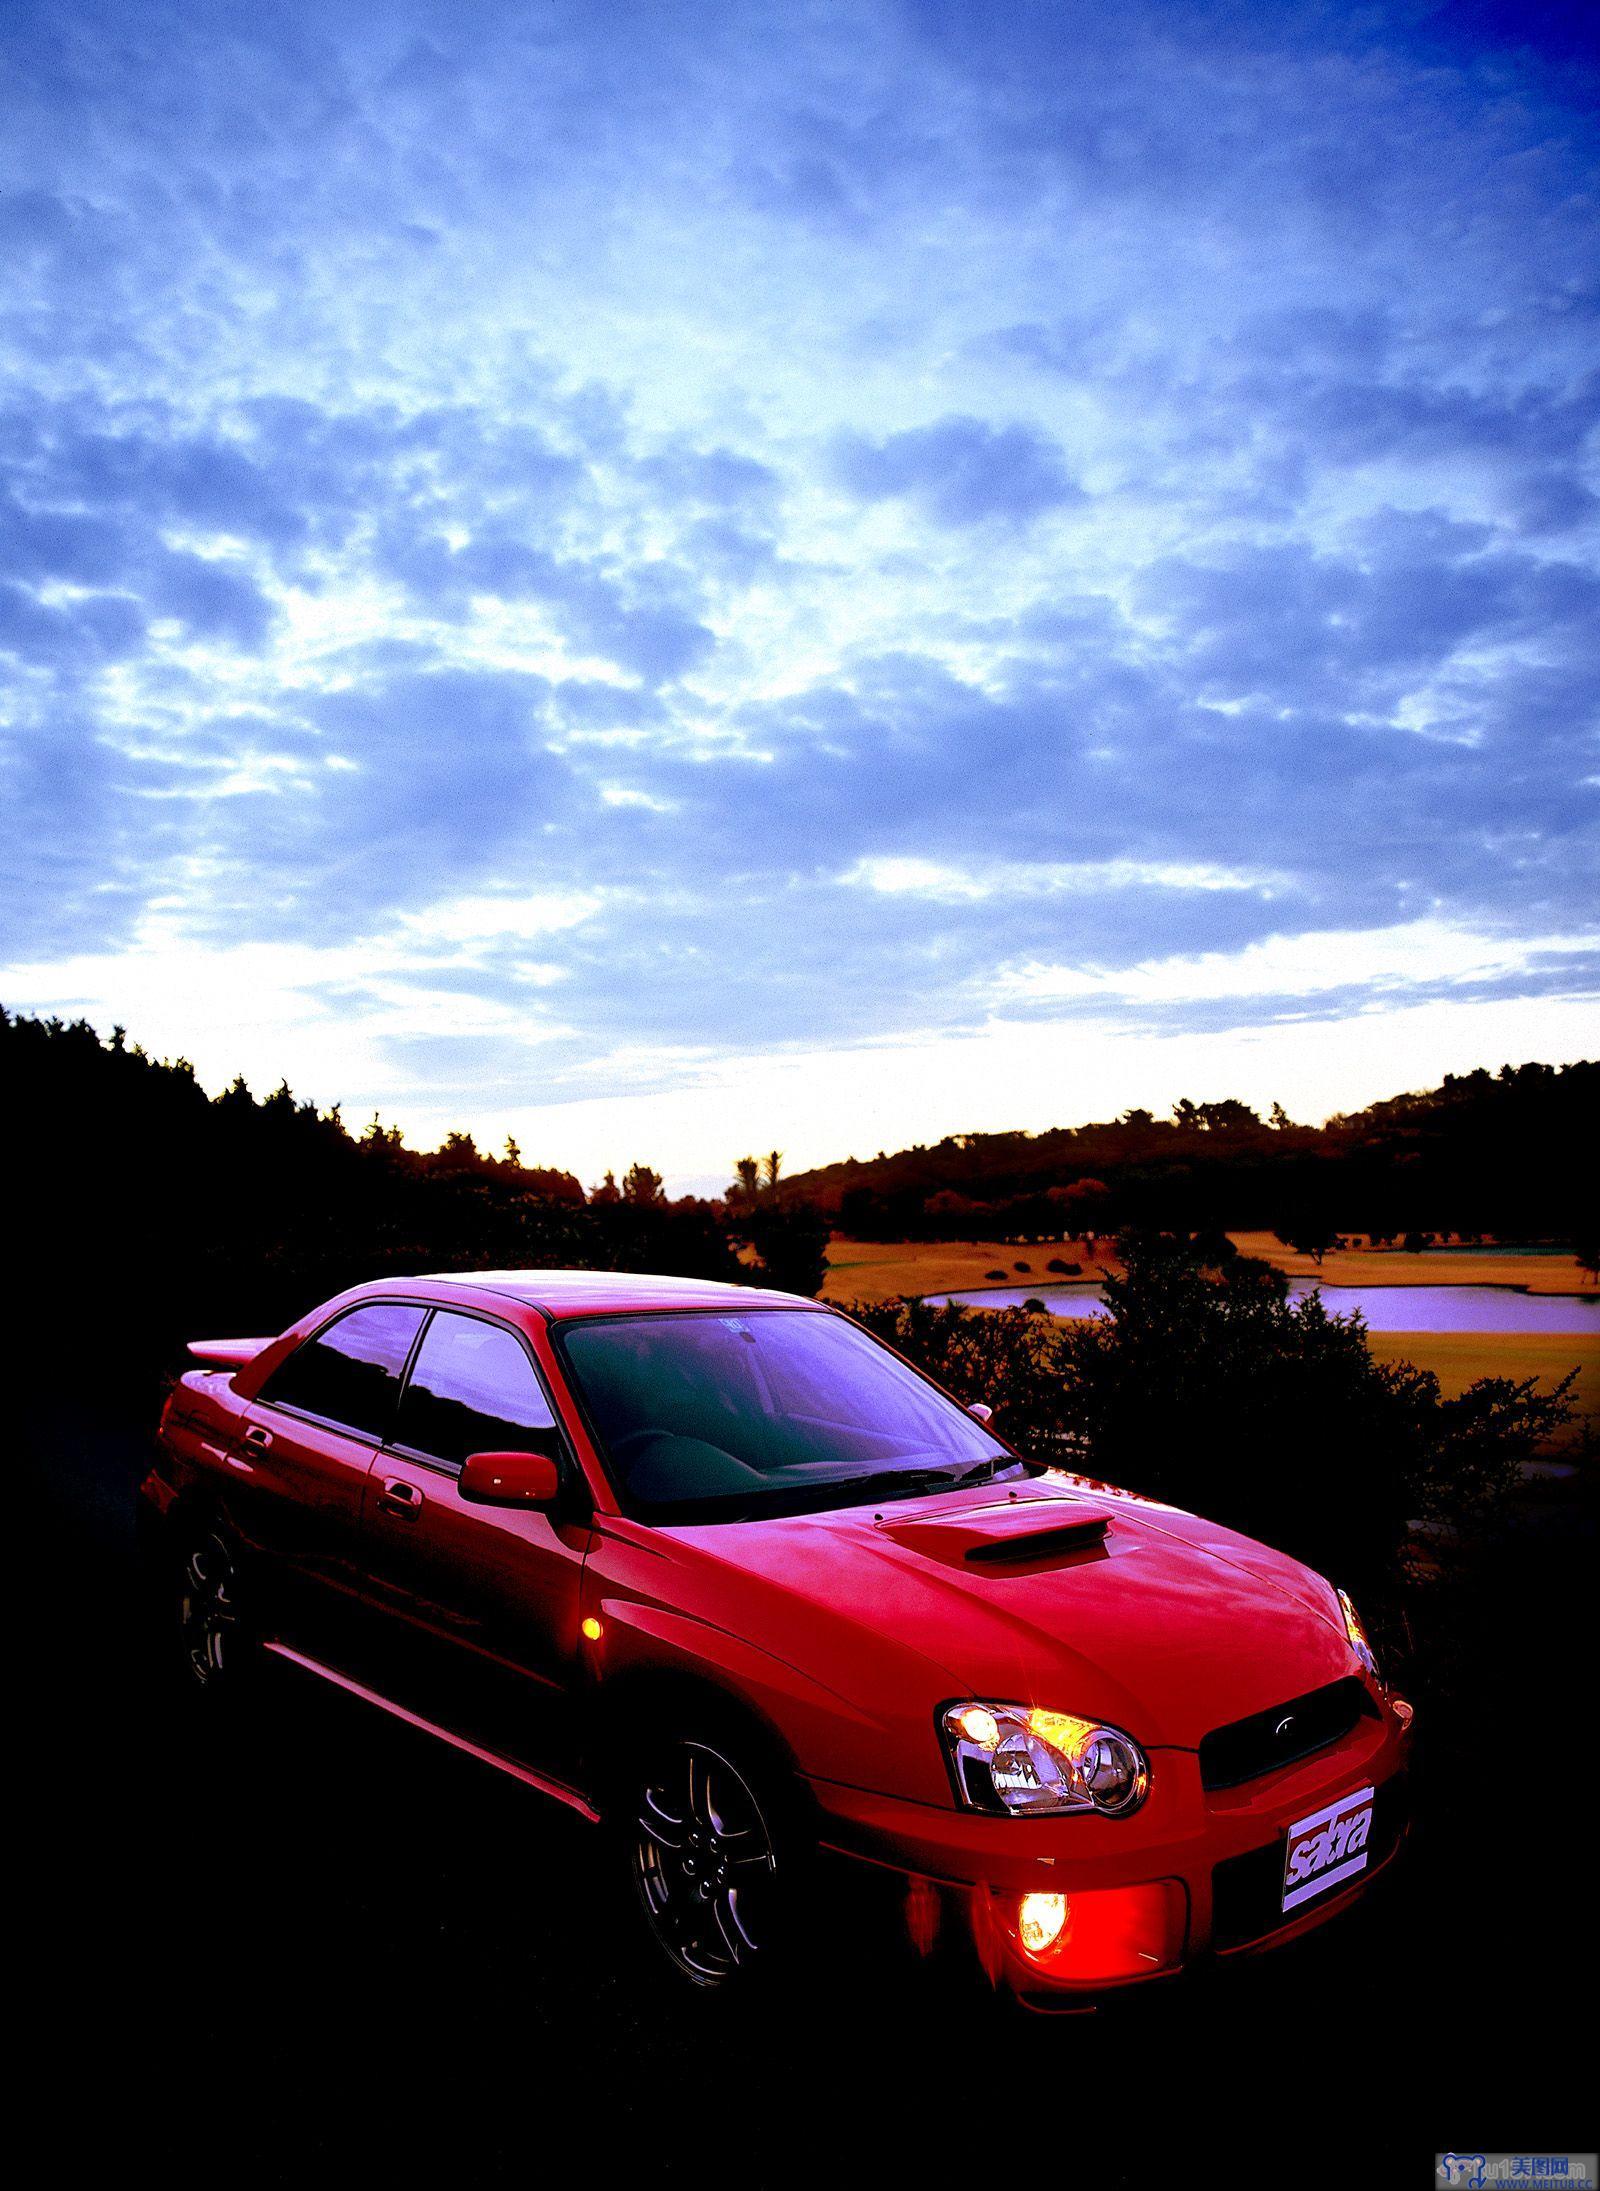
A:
(400, 1498)
(255, 1435)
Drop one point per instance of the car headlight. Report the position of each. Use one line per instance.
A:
(1032, 1763)
(1358, 1636)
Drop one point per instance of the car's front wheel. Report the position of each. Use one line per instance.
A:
(710, 1874)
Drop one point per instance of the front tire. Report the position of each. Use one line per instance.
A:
(708, 1866)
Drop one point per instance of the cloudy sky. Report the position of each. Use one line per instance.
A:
(671, 577)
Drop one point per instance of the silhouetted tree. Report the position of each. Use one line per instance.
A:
(788, 1237)
(791, 1240)
(1307, 1234)
(641, 1186)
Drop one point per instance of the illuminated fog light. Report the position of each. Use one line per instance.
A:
(592, 1629)
(1040, 1918)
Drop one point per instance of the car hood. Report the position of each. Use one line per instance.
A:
(1053, 1592)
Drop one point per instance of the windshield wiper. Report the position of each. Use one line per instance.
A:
(899, 1481)
(811, 1498)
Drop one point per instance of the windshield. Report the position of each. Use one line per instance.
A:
(719, 1416)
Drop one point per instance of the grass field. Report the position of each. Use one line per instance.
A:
(882, 1270)
(1459, 1358)
(1433, 1267)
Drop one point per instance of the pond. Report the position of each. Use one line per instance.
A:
(1386, 1308)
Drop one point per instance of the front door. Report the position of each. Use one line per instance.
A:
(486, 1598)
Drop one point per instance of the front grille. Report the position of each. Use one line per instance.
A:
(1247, 1891)
(1247, 1748)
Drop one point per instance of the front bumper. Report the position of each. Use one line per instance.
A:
(1194, 1875)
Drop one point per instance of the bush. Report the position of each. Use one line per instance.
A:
(791, 1238)
(1004, 1357)
(1220, 1394)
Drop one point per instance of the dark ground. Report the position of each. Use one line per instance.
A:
(330, 1950)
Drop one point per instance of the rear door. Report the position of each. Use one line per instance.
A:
(486, 1598)
(299, 1470)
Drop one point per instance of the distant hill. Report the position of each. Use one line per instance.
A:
(1507, 1154)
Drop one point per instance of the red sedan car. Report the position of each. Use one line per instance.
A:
(715, 1568)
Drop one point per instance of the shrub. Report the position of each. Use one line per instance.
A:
(1220, 1394)
(1002, 1356)
(791, 1238)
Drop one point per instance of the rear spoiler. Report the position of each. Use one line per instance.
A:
(227, 1353)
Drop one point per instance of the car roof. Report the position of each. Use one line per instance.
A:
(560, 1293)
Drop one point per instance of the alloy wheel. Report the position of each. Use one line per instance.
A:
(704, 1864)
(208, 1610)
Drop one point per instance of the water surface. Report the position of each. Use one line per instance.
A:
(1386, 1308)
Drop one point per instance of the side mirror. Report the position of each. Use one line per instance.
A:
(982, 1410)
(509, 1479)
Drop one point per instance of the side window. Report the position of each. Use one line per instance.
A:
(472, 1390)
(350, 1372)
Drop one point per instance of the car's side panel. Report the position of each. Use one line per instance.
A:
(295, 1491)
(482, 1609)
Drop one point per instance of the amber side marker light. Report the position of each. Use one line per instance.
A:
(592, 1629)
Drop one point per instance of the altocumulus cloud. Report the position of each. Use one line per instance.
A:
(961, 471)
(590, 541)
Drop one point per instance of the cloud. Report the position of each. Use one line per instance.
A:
(961, 471)
(910, 877)
(1414, 956)
(88, 629)
(715, 538)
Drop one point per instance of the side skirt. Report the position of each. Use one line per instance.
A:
(529, 1778)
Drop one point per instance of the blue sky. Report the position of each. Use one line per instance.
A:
(672, 578)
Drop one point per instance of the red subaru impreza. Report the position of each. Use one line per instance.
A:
(717, 1569)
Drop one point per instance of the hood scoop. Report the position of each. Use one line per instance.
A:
(1015, 1538)
(1040, 1544)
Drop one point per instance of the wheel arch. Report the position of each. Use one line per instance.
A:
(651, 1702)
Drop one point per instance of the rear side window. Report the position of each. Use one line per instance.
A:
(349, 1373)
(472, 1390)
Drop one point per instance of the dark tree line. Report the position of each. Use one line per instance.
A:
(139, 1212)
(1507, 1154)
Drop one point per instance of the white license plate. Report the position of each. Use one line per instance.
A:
(1328, 1848)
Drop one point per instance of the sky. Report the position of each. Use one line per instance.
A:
(676, 578)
